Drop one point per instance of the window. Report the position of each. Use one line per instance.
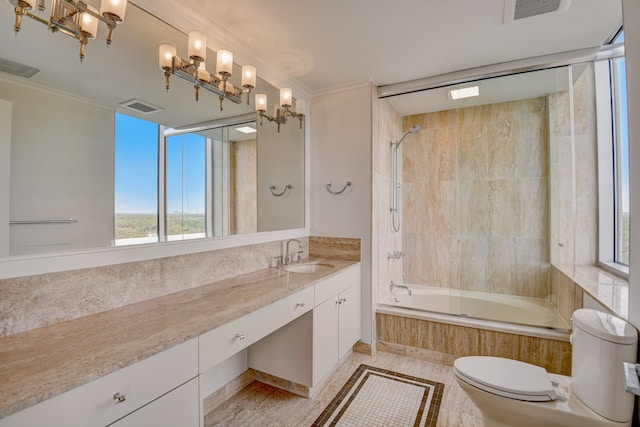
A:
(185, 186)
(621, 157)
(136, 181)
(170, 184)
(613, 162)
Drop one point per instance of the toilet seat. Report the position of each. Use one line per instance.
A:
(506, 377)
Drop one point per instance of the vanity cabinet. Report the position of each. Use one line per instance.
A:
(179, 407)
(336, 321)
(165, 376)
(230, 338)
(307, 349)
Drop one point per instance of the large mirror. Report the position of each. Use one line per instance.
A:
(101, 154)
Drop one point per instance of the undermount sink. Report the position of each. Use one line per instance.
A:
(307, 268)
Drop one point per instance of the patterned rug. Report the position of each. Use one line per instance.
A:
(377, 397)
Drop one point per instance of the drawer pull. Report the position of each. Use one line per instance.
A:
(300, 305)
(239, 336)
(119, 398)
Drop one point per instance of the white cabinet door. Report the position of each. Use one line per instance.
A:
(178, 408)
(349, 329)
(325, 339)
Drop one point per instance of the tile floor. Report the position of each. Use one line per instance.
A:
(262, 405)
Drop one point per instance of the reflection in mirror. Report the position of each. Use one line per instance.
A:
(71, 124)
(207, 181)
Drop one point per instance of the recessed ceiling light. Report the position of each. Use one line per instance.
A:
(246, 129)
(465, 92)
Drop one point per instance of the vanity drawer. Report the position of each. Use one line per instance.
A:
(93, 404)
(336, 284)
(228, 339)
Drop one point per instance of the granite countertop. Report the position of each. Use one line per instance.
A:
(41, 363)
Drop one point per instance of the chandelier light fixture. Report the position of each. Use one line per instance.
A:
(194, 70)
(282, 111)
(73, 17)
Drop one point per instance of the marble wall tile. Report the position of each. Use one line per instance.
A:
(31, 302)
(584, 101)
(347, 248)
(430, 155)
(534, 199)
(566, 296)
(505, 207)
(472, 207)
(429, 258)
(472, 259)
(493, 164)
(533, 267)
(472, 152)
(503, 139)
(446, 342)
(533, 147)
(388, 126)
(245, 195)
(502, 271)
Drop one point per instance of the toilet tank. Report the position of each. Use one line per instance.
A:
(601, 343)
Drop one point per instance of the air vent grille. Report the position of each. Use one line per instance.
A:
(529, 8)
(17, 69)
(140, 106)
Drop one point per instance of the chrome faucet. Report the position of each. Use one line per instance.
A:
(288, 258)
(393, 285)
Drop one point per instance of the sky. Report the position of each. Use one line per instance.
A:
(136, 169)
(624, 128)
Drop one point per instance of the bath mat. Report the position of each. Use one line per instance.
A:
(377, 397)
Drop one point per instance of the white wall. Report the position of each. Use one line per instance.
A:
(61, 167)
(631, 17)
(5, 173)
(341, 152)
(280, 163)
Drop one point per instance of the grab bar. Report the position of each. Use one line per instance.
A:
(45, 221)
(284, 190)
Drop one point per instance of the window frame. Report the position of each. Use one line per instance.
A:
(609, 202)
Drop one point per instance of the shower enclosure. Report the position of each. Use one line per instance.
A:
(498, 194)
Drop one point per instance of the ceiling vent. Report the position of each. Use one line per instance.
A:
(520, 9)
(17, 69)
(140, 106)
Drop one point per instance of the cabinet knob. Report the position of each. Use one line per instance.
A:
(119, 398)
(300, 305)
(239, 336)
(341, 300)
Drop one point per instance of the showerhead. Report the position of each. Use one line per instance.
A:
(414, 129)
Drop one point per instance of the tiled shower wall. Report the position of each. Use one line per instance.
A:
(387, 127)
(574, 240)
(476, 199)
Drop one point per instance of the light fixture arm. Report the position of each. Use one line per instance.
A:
(66, 17)
(281, 116)
(188, 70)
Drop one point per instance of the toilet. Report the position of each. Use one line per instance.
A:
(513, 393)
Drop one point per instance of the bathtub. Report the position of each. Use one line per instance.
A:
(529, 316)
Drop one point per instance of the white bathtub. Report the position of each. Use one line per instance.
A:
(504, 313)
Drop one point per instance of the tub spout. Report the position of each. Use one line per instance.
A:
(393, 285)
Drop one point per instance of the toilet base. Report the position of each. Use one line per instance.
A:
(498, 411)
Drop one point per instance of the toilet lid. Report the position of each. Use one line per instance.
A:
(506, 377)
